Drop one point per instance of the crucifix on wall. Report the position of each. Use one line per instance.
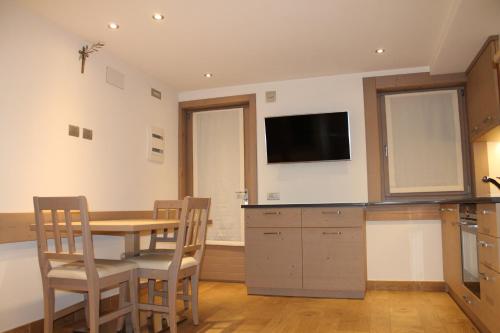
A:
(86, 51)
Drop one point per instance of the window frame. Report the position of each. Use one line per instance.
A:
(387, 195)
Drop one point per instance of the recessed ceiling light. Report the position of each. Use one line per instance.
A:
(113, 25)
(379, 51)
(208, 75)
(158, 17)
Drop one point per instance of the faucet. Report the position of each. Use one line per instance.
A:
(487, 179)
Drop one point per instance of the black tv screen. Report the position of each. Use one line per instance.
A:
(305, 138)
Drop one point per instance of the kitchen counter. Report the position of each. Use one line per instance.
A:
(382, 203)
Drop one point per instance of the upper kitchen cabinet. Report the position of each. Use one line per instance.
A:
(483, 103)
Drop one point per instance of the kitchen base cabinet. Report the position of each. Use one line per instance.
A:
(276, 260)
(333, 259)
(306, 252)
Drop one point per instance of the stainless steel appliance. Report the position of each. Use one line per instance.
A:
(468, 236)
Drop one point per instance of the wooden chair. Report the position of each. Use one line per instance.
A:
(167, 209)
(81, 272)
(183, 265)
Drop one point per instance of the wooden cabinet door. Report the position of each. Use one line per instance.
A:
(273, 258)
(452, 251)
(333, 259)
(483, 101)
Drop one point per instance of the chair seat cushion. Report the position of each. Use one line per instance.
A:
(105, 267)
(161, 261)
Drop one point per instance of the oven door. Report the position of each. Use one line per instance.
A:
(470, 266)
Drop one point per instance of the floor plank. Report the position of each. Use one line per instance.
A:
(225, 307)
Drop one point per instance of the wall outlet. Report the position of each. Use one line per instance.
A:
(273, 195)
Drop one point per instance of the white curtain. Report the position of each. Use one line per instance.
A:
(424, 142)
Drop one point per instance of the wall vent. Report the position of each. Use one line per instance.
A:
(115, 78)
(155, 93)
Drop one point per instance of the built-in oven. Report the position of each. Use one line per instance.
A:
(468, 235)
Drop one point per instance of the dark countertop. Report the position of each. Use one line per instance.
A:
(382, 203)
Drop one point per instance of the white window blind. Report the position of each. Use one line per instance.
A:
(424, 145)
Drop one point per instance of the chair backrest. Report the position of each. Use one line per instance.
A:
(192, 231)
(57, 209)
(168, 209)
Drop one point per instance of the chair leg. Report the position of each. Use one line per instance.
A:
(48, 308)
(185, 292)
(122, 294)
(94, 299)
(172, 313)
(194, 298)
(86, 304)
(134, 300)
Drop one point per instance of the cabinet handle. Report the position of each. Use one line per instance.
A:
(487, 119)
(475, 129)
(450, 209)
(338, 212)
(277, 233)
(272, 213)
(442, 209)
(332, 233)
(485, 244)
(467, 300)
(485, 212)
(486, 277)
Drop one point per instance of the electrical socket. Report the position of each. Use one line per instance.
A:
(273, 195)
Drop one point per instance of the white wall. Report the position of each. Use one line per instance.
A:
(404, 250)
(397, 250)
(41, 92)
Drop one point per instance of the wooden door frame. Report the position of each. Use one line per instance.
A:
(248, 103)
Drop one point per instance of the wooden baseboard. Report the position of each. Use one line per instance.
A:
(223, 263)
(406, 285)
(15, 227)
(306, 293)
(66, 317)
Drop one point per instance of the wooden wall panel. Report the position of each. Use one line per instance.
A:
(403, 212)
(372, 135)
(224, 263)
(15, 227)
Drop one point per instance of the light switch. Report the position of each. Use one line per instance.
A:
(73, 130)
(87, 134)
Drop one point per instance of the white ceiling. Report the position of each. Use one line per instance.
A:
(243, 41)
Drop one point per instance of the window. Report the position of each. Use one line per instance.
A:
(424, 147)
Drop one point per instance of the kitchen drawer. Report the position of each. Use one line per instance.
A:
(273, 217)
(470, 301)
(333, 217)
(273, 258)
(490, 297)
(487, 220)
(333, 259)
(488, 251)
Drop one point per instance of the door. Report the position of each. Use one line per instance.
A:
(218, 171)
(333, 259)
(274, 258)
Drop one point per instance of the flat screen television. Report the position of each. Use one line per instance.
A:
(307, 138)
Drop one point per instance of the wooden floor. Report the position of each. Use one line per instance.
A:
(225, 307)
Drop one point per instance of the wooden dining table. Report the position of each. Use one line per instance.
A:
(130, 229)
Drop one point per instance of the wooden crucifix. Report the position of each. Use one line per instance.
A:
(86, 51)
